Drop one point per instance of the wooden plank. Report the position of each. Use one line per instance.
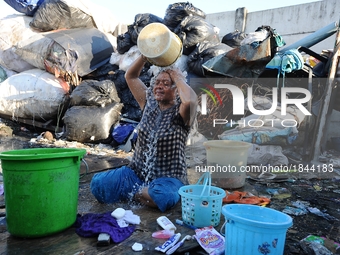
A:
(321, 127)
(68, 242)
(96, 163)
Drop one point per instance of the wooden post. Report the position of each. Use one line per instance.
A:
(325, 112)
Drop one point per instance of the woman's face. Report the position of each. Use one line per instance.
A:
(164, 89)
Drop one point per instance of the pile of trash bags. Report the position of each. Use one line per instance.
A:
(63, 60)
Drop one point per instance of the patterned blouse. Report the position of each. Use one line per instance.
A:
(160, 147)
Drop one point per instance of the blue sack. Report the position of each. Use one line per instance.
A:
(27, 7)
(122, 131)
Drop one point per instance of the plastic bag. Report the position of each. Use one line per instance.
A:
(128, 58)
(91, 123)
(193, 30)
(131, 109)
(14, 29)
(68, 50)
(142, 20)
(266, 155)
(124, 43)
(203, 52)
(122, 131)
(27, 7)
(33, 94)
(94, 93)
(58, 14)
(234, 39)
(176, 12)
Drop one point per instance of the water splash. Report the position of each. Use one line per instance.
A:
(150, 156)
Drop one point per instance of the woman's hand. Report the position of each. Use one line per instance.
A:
(176, 75)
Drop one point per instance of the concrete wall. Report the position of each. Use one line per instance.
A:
(292, 22)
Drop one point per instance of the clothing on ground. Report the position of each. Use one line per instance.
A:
(91, 225)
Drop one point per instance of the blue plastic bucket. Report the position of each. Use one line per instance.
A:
(254, 230)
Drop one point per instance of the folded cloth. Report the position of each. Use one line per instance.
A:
(91, 225)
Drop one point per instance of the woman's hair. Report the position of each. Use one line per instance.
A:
(162, 70)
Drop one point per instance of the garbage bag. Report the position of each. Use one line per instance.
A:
(80, 50)
(176, 12)
(234, 39)
(94, 93)
(193, 30)
(63, 14)
(34, 94)
(203, 52)
(128, 58)
(14, 29)
(59, 14)
(124, 42)
(131, 109)
(91, 123)
(141, 20)
(26, 7)
(102, 73)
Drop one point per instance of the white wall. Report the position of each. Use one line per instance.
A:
(292, 22)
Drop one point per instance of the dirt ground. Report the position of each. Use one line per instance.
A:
(317, 192)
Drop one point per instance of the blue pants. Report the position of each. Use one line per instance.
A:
(121, 184)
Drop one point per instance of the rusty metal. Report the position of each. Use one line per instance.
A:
(242, 62)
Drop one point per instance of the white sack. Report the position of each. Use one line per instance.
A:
(13, 29)
(266, 155)
(33, 94)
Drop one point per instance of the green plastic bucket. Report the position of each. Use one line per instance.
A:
(41, 189)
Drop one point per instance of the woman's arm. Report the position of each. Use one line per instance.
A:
(136, 86)
(188, 107)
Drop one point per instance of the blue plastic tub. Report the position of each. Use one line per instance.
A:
(254, 230)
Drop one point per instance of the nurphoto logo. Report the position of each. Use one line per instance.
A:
(238, 99)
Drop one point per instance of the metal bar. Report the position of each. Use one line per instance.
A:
(314, 38)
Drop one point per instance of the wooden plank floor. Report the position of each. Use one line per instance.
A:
(68, 242)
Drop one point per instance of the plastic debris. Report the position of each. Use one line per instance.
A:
(294, 211)
(279, 193)
(320, 245)
(137, 247)
(316, 211)
(303, 206)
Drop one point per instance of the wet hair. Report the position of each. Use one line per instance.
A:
(162, 70)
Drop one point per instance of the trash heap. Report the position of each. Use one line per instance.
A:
(63, 62)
